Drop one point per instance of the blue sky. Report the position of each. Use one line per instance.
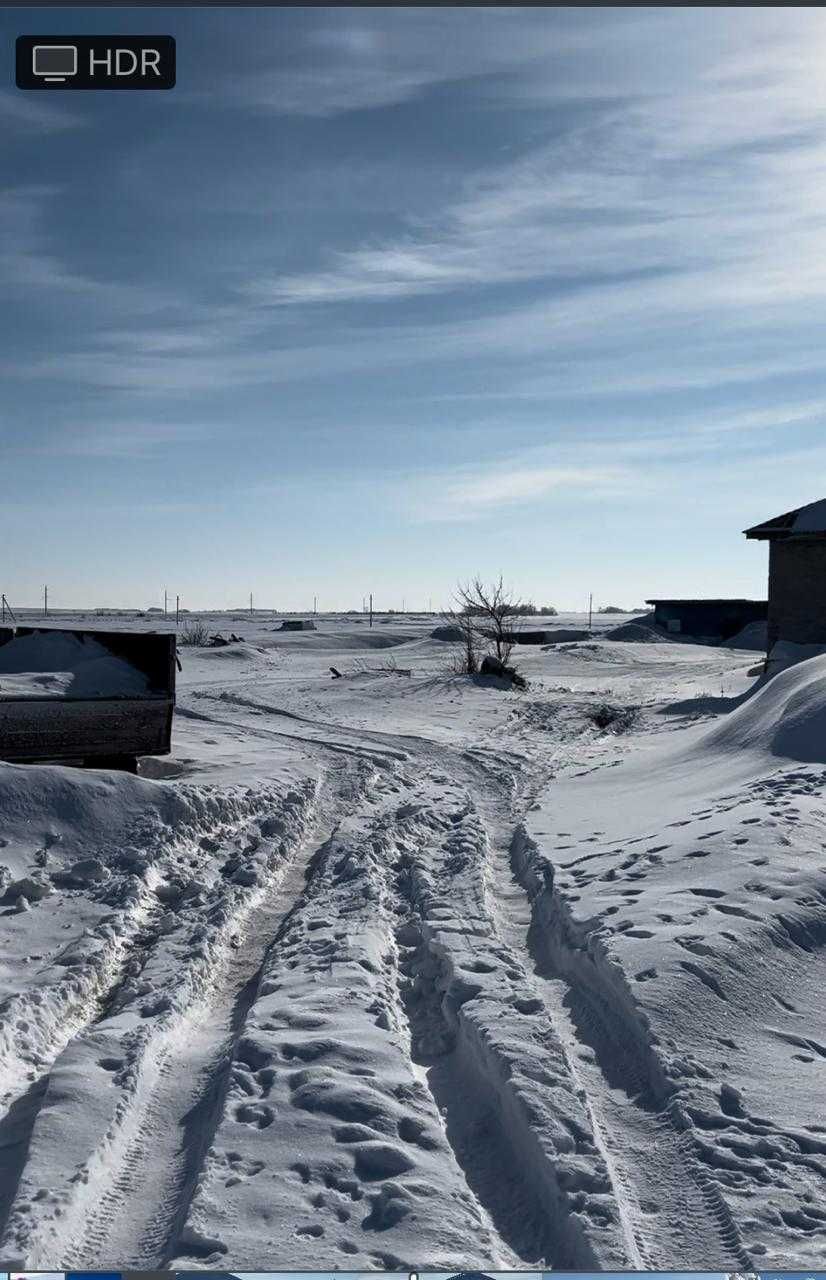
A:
(380, 299)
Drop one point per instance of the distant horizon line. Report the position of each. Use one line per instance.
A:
(245, 611)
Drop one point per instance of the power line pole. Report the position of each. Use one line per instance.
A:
(250, 604)
(177, 610)
(164, 602)
(371, 608)
(45, 602)
(590, 609)
(315, 604)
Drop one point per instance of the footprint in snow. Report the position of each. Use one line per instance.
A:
(528, 1005)
(258, 1115)
(736, 911)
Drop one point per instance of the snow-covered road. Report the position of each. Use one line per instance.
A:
(397, 971)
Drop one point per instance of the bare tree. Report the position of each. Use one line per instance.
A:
(470, 642)
(461, 627)
(494, 613)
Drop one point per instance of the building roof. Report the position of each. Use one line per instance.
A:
(807, 520)
(727, 600)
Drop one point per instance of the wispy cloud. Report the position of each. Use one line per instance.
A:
(604, 462)
(360, 60)
(469, 493)
(29, 113)
(712, 184)
(117, 439)
(33, 259)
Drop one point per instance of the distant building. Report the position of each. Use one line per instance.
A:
(797, 574)
(297, 624)
(707, 619)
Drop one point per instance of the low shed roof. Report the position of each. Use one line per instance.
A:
(726, 600)
(807, 520)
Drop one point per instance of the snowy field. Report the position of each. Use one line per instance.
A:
(402, 970)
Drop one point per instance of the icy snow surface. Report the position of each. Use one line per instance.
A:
(408, 970)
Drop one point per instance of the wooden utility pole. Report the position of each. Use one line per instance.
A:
(371, 608)
(590, 609)
(315, 604)
(177, 610)
(45, 602)
(250, 604)
(164, 602)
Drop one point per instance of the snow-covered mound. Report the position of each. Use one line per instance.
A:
(785, 717)
(50, 664)
(341, 640)
(785, 653)
(753, 636)
(641, 631)
(238, 652)
(447, 632)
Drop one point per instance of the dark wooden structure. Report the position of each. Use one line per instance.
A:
(797, 574)
(707, 619)
(103, 730)
(551, 635)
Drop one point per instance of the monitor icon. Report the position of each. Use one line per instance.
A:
(54, 62)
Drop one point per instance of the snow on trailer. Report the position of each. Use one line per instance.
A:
(96, 696)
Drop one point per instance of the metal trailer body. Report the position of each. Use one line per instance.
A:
(102, 729)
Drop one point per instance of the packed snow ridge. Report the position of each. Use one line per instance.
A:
(396, 971)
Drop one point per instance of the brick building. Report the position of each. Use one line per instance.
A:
(797, 574)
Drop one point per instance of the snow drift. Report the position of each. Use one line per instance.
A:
(785, 717)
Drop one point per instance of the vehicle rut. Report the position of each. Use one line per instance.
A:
(139, 1218)
(124, 1199)
(667, 1203)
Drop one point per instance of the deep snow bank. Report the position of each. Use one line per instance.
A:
(75, 807)
(785, 717)
(679, 891)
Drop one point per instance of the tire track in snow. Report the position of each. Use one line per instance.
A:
(36, 1025)
(76, 1222)
(39, 1026)
(355, 1147)
(668, 1203)
(54, 1017)
(139, 1218)
(511, 1109)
